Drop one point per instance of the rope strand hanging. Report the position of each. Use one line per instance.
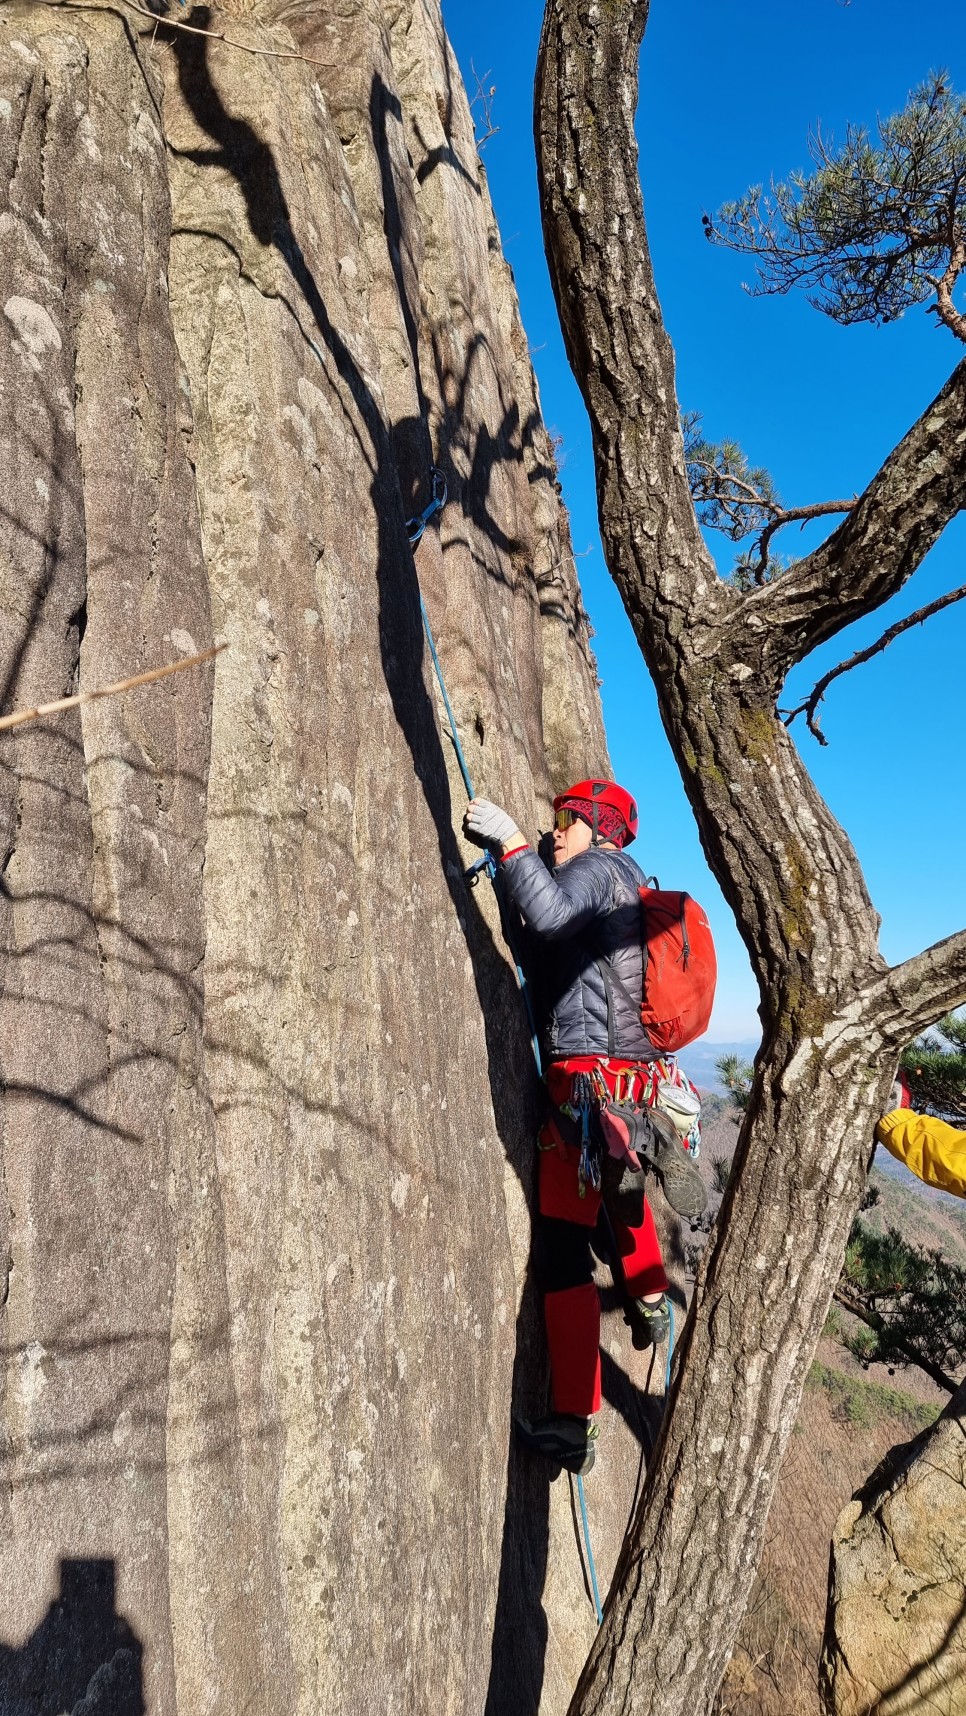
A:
(415, 528)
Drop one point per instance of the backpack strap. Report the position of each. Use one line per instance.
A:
(611, 981)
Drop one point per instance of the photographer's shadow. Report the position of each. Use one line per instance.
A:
(83, 1657)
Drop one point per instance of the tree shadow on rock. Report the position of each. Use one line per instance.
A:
(398, 456)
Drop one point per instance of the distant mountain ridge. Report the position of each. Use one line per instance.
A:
(699, 1060)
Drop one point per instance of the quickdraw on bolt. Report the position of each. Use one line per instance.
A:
(439, 496)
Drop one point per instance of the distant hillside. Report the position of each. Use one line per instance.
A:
(923, 1215)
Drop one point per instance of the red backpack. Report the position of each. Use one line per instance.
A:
(680, 969)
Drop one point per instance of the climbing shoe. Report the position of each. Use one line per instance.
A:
(648, 1324)
(562, 1437)
(681, 1182)
(624, 1189)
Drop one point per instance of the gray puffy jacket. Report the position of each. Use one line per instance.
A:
(587, 907)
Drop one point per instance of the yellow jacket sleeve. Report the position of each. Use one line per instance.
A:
(934, 1151)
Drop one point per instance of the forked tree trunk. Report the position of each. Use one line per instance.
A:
(834, 1017)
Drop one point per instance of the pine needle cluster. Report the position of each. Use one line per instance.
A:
(875, 226)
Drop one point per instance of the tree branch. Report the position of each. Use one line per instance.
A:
(944, 307)
(879, 1326)
(875, 551)
(21, 716)
(809, 707)
(908, 998)
(791, 515)
(751, 496)
(161, 21)
(484, 95)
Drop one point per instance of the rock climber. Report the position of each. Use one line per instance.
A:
(585, 920)
(933, 1150)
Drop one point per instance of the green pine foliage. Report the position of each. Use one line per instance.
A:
(720, 1173)
(732, 496)
(876, 225)
(729, 494)
(915, 1300)
(736, 1076)
(935, 1069)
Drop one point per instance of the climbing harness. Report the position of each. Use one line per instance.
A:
(586, 1088)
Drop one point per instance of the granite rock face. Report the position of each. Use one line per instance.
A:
(268, 1105)
(896, 1635)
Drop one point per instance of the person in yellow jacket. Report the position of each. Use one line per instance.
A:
(934, 1151)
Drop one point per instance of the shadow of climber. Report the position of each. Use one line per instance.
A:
(83, 1657)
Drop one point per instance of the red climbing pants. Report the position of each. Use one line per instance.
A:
(568, 1216)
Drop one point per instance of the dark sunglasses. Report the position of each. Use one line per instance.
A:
(564, 818)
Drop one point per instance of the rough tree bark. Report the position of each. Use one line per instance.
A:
(834, 1017)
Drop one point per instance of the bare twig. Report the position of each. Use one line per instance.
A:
(22, 715)
(484, 95)
(809, 707)
(192, 30)
(716, 479)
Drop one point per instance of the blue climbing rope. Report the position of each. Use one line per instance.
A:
(414, 530)
(464, 771)
(590, 1554)
(670, 1349)
(487, 866)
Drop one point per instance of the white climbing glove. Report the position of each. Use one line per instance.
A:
(488, 825)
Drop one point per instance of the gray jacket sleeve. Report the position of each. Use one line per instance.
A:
(562, 904)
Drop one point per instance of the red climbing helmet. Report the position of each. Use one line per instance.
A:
(610, 811)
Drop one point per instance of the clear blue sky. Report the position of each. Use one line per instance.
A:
(728, 95)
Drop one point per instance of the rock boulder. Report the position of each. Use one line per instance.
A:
(895, 1640)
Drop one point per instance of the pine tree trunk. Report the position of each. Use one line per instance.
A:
(833, 1018)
